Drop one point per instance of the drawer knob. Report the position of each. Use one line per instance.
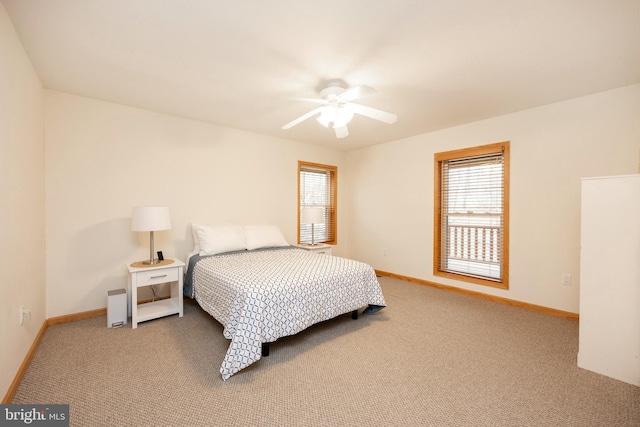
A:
(157, 277)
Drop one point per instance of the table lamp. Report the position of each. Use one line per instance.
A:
(312, 216)
(150, 218)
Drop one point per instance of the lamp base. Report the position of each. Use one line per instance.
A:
(151, 261)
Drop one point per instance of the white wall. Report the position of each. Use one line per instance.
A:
(552, 147)
(22, 280)
(102, 159)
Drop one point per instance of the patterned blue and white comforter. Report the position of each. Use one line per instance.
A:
(260, 296)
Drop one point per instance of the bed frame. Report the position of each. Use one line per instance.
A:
(265, 345)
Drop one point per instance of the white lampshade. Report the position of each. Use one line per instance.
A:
(338, 115)
(150, 218)
(312, 216)
(326, 116)
(343, 116)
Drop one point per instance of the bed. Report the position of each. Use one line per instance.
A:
(265, 291)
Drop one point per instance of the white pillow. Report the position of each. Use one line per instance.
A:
(263, 236)
(218, 239)
(194, 234)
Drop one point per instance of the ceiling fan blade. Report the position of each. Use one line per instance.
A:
(373, 113)
(298, 98)
(355, 93)
(341, 131)
(302, 118)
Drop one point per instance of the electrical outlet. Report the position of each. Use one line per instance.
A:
(566, 279)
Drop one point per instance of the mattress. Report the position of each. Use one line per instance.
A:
(259, 296)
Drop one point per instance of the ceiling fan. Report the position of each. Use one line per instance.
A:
(336, 107)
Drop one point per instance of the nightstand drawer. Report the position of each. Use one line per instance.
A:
(323, 251)
(145, 278)
(318, 248)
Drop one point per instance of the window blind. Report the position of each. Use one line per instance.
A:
(472, 216)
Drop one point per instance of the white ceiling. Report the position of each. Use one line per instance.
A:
(434, 63)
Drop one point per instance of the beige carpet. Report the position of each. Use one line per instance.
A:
(431, 358)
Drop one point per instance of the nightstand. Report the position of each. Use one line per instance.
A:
(320, 248)
(154, 275)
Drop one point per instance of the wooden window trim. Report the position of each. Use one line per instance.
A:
(464, 153)
(333, 211)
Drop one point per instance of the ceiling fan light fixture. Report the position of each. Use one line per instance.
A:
(326, 116)
(337, 107)
(343, 115)
(338, 115)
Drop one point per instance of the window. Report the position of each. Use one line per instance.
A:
(317, 188)
(471, 221)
